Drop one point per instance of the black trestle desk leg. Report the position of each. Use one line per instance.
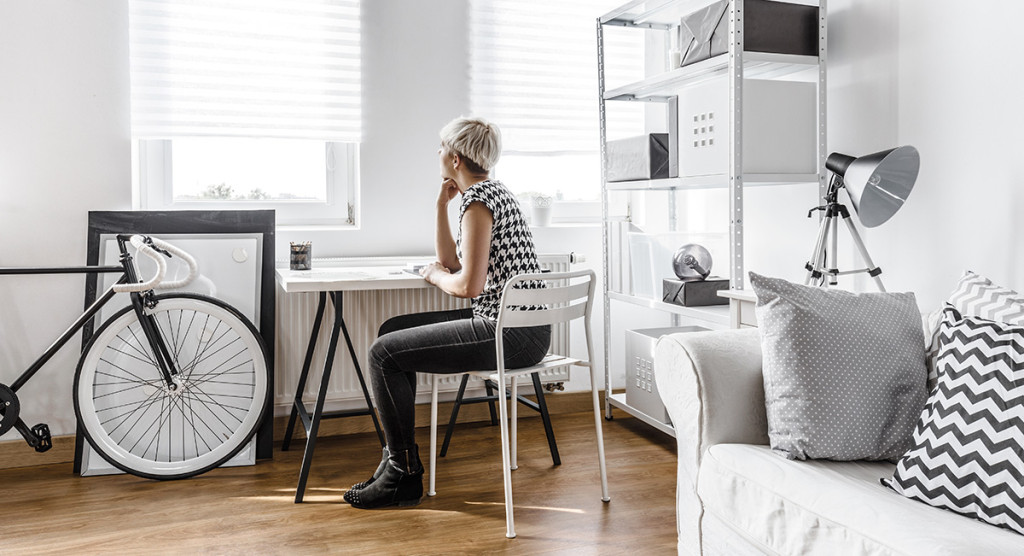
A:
(539, 390)
(455, 415)
(490, 392)
(314, 422)
(306, 363)
(359, 373)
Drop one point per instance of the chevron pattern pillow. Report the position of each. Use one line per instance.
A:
(977, 296)
(968, 447)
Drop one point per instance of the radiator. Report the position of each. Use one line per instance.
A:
(364, 311)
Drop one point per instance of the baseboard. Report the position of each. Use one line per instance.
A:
(16, 453)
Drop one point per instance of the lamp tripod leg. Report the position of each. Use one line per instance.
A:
(833, 268)
(816, 263)
(872, 270)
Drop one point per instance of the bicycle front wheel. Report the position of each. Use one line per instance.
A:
(143, 426)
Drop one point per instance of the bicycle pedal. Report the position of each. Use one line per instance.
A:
(42, 434)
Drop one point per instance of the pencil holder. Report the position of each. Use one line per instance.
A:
(300, 256)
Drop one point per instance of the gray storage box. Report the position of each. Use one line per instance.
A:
(778, 27)
(639, 158)
(694, 293)
(641, 390)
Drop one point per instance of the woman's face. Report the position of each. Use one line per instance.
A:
(447, 161)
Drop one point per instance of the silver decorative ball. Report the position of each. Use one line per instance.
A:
(692, 262)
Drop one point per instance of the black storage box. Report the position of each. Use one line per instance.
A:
(768, 26)
(694, 293)
(645, 157)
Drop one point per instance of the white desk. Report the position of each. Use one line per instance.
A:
(741, 308)
(348, 279)
(334, 281)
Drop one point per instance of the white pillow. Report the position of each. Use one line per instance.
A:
(975, 296)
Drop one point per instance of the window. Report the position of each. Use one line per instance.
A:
(533, 71)
(247, 104)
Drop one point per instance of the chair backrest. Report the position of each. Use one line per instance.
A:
(567, 296)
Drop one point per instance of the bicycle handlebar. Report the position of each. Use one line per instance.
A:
(157, 281)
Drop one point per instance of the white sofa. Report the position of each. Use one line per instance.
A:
(734, 496)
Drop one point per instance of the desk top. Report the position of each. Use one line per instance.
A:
(348, 279)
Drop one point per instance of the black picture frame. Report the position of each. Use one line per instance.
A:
(195, 222)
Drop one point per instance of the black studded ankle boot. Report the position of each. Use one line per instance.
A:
(400, 484)
(376, 474)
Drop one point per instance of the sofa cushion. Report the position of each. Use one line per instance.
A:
(828, 507)
(844, 373)
(968, 453)
(976, 296)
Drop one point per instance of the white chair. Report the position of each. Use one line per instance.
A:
(568, 296)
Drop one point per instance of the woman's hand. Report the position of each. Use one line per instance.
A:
(432, 271)
(449, 189)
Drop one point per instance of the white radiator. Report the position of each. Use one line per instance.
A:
(364, 311)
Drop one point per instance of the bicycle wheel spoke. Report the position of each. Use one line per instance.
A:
(199, 346)
(145, 353)
(230, 370)
(225, 409)
(143, 405)
(126, 371)
(143, 435)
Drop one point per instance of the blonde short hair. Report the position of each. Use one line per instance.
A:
(475, 139)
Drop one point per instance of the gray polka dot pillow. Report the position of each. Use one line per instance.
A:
(844, 373)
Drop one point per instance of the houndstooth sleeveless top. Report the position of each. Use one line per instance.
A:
(512, 251)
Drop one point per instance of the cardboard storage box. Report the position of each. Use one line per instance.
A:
(641, 389)
(778, 27)
(639, 158)
(779, 131)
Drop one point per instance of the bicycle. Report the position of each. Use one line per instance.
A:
(168, 387)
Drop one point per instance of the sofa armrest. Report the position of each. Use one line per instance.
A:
(712, 388)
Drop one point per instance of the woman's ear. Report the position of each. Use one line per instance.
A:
(456, 160)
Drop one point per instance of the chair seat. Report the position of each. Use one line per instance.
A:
(550, 361)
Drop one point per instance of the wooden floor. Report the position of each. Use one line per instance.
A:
(250, 510)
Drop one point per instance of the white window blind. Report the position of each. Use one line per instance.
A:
(245, 68)
(533, 71)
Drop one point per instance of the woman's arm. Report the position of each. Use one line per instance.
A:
(444, 245)
(476, 247)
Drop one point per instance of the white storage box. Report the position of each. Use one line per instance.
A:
(650, 258)
(779, 128)
(641, 389)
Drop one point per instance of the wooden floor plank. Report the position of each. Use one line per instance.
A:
(250, 510)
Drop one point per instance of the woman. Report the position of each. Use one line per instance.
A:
(494, 245)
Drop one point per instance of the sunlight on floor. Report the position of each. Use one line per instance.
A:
(542, 508)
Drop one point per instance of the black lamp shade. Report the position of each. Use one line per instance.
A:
(879, 183)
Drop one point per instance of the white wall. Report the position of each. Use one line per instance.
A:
(938, 75)
(64, 150)
(960, 104)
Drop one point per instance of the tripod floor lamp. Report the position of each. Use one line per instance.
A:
(878, 184)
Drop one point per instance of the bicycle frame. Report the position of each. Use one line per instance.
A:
(39, 437)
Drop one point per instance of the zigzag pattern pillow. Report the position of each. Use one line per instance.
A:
(977, 296)
(968, 447)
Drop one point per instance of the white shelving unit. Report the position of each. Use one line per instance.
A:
(738, 65)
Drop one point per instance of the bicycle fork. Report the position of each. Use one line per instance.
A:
(168, 370)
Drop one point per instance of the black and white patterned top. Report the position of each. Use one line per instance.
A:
(512, 251)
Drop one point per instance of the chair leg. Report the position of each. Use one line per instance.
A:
(538, 388)
(600, 435)
(510, 530)
(514, 422)
(455, 415)
(433, 434)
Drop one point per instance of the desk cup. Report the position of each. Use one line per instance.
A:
(300, 256)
